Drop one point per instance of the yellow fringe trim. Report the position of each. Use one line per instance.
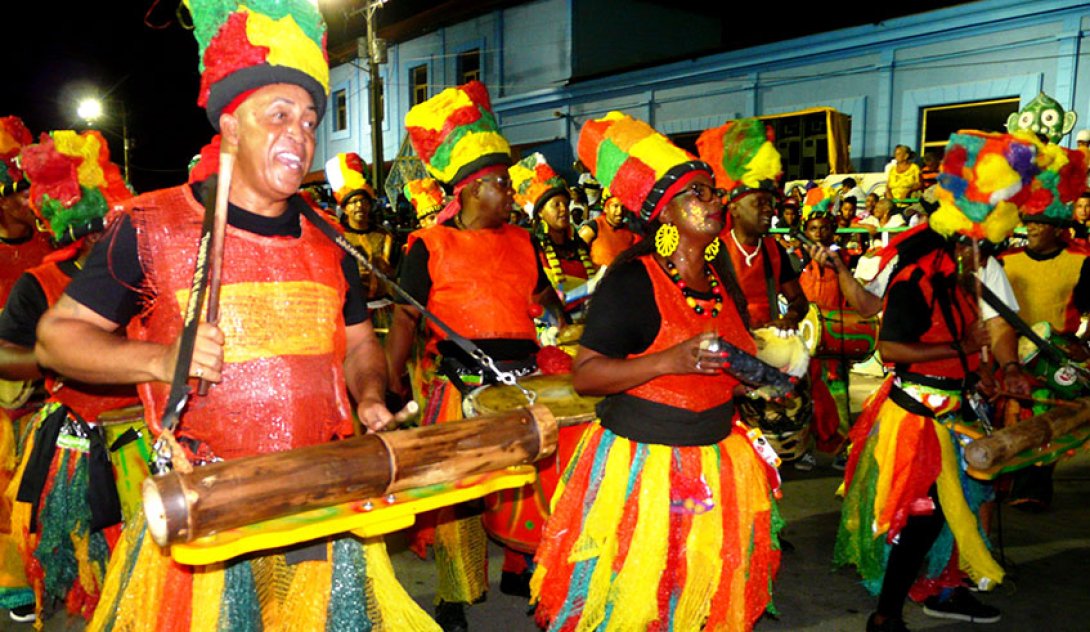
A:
(396, 609)
(703, 561)
(973, 555)
(207, 596)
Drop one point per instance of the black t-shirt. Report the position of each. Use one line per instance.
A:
(623, 318)
(26, 304)
(110, 281)
(413, 276)
(913, 313)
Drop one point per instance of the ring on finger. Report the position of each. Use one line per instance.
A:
(699, 366)
(199, 372)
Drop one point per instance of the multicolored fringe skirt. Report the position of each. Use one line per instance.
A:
(896, 457)
(15, 590)
(64, 535)
(658, 537)
(351, 586)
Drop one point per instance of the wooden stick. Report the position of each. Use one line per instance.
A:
(1003, 445)
(219, 231)
(1039, 400)
(183, 506)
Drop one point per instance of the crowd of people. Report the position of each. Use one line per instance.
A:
(714, 313)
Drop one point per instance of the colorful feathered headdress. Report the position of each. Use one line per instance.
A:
(819, 202)
(535, 182)
(455, 133)
(425, 195)
(13, 137)
(743, 156)
(246, 44)
(637, 164)
(73, 184)
(345, 175)
(987, 180)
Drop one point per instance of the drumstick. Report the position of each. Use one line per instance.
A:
(1038, 400)
(401, 416)
(219, 230)
(984, 355)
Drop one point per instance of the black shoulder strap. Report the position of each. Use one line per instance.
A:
(771, 283)
(725, 267)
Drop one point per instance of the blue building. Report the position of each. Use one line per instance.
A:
(552, 64)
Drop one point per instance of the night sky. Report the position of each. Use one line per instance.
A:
(66, 50)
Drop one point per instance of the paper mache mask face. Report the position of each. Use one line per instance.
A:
(1043, 115)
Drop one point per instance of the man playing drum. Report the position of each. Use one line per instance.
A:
(747, 166)
(480, 276)
(293, 338)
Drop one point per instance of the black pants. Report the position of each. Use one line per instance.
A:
(906, 558)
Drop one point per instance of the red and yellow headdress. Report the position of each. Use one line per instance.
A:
(73, 184)
(638, 165)
(535, 182)
(455, 133)
(13, 137)
(345, 175)
(425, 195)
(246, 44)
(743, 156)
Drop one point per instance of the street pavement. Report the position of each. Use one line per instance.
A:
(1046, 557)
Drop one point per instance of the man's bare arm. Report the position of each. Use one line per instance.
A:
(76, 342)
(365, 374)
(17, 362)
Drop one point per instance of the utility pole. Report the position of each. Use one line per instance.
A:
(375, 51)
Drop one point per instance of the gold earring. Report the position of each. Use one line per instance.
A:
(666, 239)
(712, 250)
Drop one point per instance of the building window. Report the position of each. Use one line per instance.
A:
(418, 84)
(340, 110)
(938, 122)
(469, 66)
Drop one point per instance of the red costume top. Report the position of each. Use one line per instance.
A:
(751, 277)
(821, 286)
(935, 267)
(482, 281)
(18, 258)
(88, 400)
(281, 308)
(609, 241)
(679, 323)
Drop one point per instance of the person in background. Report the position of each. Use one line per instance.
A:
(356, 196)
(21, 244)
(427, 198)
(903, 176)
(608, 234)
(929, 173)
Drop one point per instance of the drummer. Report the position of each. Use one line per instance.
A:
(903, 483)
(480, 276)
(748, 167)
(665, 515)
(828, 282)
(67, 571)
(293, 344)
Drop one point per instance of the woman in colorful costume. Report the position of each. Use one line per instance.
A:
(906, 495)
(565, 258)
(292, 343)
(66, 511)
(665, 518)
(481, 276)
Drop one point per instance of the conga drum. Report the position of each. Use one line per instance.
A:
(129, 442)
(833, 333)
(516, 517)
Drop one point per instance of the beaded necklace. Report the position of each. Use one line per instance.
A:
(554, 271)
(717, 292)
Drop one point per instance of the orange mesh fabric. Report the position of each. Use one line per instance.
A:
(281, 305)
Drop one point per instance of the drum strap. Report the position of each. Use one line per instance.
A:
(725, 267)
(464, 343)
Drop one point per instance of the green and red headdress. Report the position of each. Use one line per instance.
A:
(455, 134)
(345, 175)
(637, 164)
(425, 195)
(819, 202)
(13, 137)
(247, 44)
(743, 157)
(535, 182)
(987, 180)
(73, 184)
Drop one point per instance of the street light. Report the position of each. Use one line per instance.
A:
(90, 110)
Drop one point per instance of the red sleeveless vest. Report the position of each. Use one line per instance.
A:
(88, 400)
(281, 308)
(679, 323)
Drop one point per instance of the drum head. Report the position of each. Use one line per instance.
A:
(810, 329)
(553, 391)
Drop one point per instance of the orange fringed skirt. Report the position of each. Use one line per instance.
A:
(701, 520)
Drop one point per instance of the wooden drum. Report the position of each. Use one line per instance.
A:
(839, 334)
(515, 517)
